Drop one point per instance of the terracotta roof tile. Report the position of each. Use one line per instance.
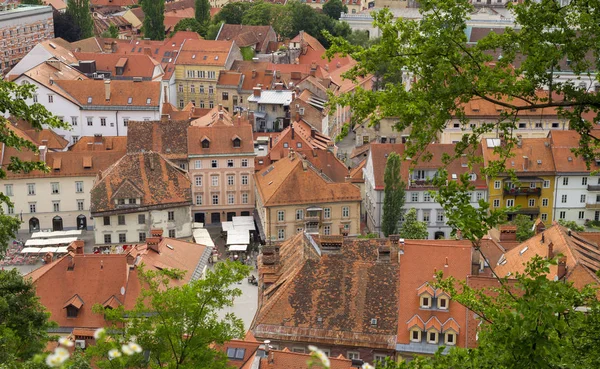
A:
(143, 94)
(221, 139)
(245, 35)
(132, 65)
(416, 321)
(479, 107)
(229, 78)
(332, 298)
(451, 325)
(249, 350)
(204, 52)
(561, 143)
(287, 182)
(534, 156)
(100, 143)
(167, 138)
(433, 324)
(293, 360)
(158, 181)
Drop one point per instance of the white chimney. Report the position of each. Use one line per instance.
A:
(107, 89)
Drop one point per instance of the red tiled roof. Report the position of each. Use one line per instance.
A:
(103, 143)
(416, 321)
(221, 139)
(133, 65)
(284, 359)
(204, 52)
(142, 94)
(433, 324)
(167, 138)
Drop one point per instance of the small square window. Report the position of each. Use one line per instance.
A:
(142, 236)
(107, 238)
(171, 215)
(141, 218)
(122, 237)
(121, 220)
(171, 233)
(106, 221)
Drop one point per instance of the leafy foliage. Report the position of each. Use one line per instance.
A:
(202, 11)
(334, 8)
(394, 195)
(79, 11)
(190, 24)
(572, 225)
(23, 320)
(524, 227)
(154, 19)
(65, 27)
(412, 228)
(111, 32)
(232, 13)
(178, 325)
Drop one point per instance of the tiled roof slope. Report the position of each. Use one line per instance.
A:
(103, 143)
(288, 182)
(168, 138)
(244, 35)
(420, 261)
(561, 143)
(578, 251)
(204, 52)
(120, 92)
(94, 278)
(159, 183)
(221, 139)
(536, 150)
(285, 359)
(135, 65)
(346, 289)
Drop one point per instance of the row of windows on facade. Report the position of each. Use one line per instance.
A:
(31, 189)
(18, 51)
(211, 104)
(522, 125)
(326, 230)
(36, 37)
(215, 199)
(89, 101)
(55, 207)
(236, 143)
(531, 202)
(122, 237)
(26, 29)
(214, 163)
(214, 180)
(141, 219)
(300, 213)
(201, 89)
(350, 355)
(433, 336)
(546, 183)
(201, 73)
(415, 196)
(90, 120)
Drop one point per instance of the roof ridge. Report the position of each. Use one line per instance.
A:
(292, 169)
(50, 267)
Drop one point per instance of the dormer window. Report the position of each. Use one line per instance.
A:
(426, 294)
(415, 335)
(450, 339)
(450, 330)
(432, 337)
(442, 303)
(425, 301)
(73, 305)
(205, 143)
(72, 311)
(121, 201)
(132, 201)
(148, 101)
(237, 142)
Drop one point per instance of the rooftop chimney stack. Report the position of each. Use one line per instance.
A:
(550, 250)
(253, 73)
(43, 149)
(152, 243)
(519, 141)
(220, 107)
(48, 258)
(107, 89)
(562, 267)
(256, 91)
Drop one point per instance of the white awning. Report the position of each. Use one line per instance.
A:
(61, 250)
(51, 242)
(202, 237)
(245, 222)
(227, 226)
(238, 237)
(56, 234)
(196, 225)
(314, 208)
(31, 250)
(238, 247)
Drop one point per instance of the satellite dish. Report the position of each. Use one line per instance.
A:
(123, 291)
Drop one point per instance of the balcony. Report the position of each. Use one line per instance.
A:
(593, 206)
(523, 191)
(421, 183)
(528, 211)
(593, 187)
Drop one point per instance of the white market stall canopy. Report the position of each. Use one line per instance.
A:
(50, 242)
(238, 247)
(56, 234)
(238, 237)
(202, 237)
(245, 222)
(197, 225)
(44, 250)
(227, 226)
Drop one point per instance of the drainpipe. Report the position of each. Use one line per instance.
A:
(117, 121)
(555, 197)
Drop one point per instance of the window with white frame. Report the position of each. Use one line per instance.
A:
(90, 121)
(478, 195)
(497, 185)
(584, 181)
(345, 211)
(31, 189)
(425, 301)
(280, 215)
(581, 214)
(244, 197)
(299, 214)
(230, 199)
(353, 355)
(327, 213)
(103, 121)
(566, 181)
(450, 338)
(496, 203)
(426, 196)
(415, 335)
(32, 207)
(531, 203)
(426, 215)
(546, 183)
(244, 163)
(229, 163)
(197, 164)
(244, 179)
(414, 197)
(582, 199)
(214, 163)
(432, 337)
(215, 199)
(379, 358)
(510, 202)
(442, 302)
(281, 234)
(327, 230)
(55, 188)
(198, 181)
(440, 216)
(230, 180)
(544, 216)
(544, 202)
(199, 199)
(563, 199)
(214, 181)
(562, 215)
(80, 205)
(56, 206)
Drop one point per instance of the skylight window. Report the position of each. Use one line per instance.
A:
(148, 100)
(89, 99)
(217, 57)
(129, 100)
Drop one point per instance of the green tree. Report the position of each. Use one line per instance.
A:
(446, 71)
(259, 14)
(361, 38)
(190, 24)
(23, 320)
(572, 225)
(154, 19)
(412, 228)
(13, 104)
(334, 8)
(393, 202)
(65, 27)
(32, 2)
(79, 10)
(213, 30)
(524, 227)
(178, 325)
(232, 13)
(202, 11)
(111, 32)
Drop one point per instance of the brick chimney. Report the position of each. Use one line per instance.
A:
(107, 89)
(98, 138)
(256, 91)
(76, 247)
(48, 258)
(292, 128)
(562, 267)
(220, 115)
(253, 73)
(313, 132)
(293, 95)
(152, 243)
(550, 250)
(519, 140)
(525, 163)
(156, 232)
(251, 117)
(220, 107)
(43, 150)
